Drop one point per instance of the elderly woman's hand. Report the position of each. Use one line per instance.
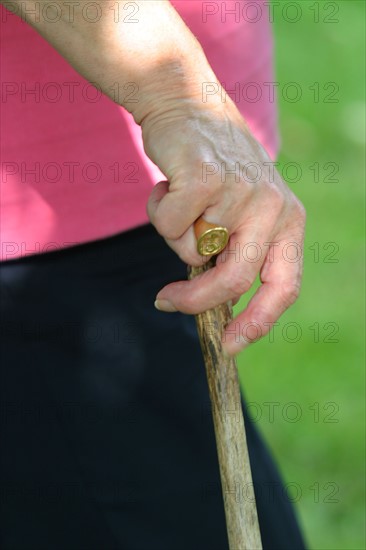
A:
(203, 150)
(217, 169)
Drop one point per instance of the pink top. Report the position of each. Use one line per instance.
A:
(73, 168)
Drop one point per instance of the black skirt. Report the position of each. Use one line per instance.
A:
(107, 439)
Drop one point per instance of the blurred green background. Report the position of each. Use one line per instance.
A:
(306, 388)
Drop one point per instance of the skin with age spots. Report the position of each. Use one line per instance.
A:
(181, 133)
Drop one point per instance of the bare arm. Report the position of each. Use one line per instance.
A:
(144, 42)
(180, 133)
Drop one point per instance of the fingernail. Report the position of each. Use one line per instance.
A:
(164, 305)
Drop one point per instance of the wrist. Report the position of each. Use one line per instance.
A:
(173, 85)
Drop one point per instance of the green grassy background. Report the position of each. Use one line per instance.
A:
(322, 454)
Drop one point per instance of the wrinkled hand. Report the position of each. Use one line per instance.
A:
(217, 169)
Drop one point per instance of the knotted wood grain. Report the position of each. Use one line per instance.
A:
(222, 376)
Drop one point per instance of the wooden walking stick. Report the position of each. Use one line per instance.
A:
(222, 376)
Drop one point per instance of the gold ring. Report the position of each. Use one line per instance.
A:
(211, 239)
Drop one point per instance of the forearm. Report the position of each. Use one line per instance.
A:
(157, 53)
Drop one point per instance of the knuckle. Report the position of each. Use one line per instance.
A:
(274, 202)
(237, 284)
(290, 292)
(299, 211)
(166, 229)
